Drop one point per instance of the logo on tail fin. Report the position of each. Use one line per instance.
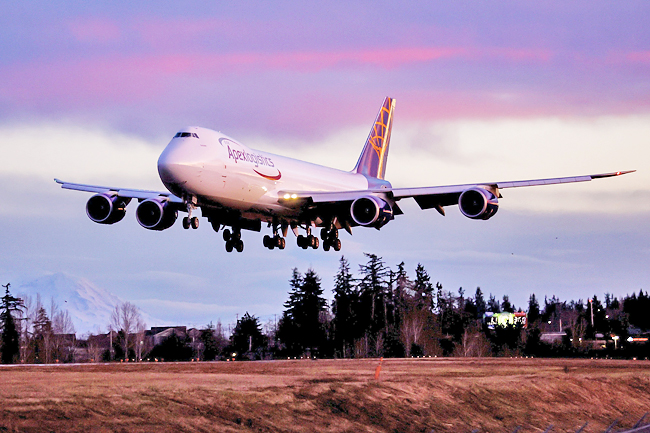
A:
(372, 161)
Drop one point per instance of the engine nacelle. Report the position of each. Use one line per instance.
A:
(371, 211)
(478, 203)
(155, 214)
(106, 208)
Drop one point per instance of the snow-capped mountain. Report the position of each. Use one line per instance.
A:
(89, 306)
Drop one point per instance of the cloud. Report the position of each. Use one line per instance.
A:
(76, 153)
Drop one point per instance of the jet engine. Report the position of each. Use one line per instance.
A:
(478, 203)
(371, 211)
(106, 208)
(154, 214)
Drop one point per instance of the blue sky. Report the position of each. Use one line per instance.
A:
(485, 91)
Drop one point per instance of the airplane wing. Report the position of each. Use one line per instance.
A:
(427, 197)
(139, 194)
(438, 196)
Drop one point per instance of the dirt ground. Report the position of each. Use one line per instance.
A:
(421, 395)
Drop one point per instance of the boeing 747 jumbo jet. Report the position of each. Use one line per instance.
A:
(243, 188)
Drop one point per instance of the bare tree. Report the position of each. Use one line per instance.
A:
(64, 341)
(127, 320)
(411, 329)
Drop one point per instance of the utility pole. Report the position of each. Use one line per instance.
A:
(591, 307)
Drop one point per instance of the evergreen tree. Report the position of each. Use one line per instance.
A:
(211, 344)
(533, 309)
(506, 305)
(493, 305)
(343, 305)
(480, 304)
(42, 337)
(247, 337)
(375, 297)
(9, 343)
(301, 327)
(423, 288)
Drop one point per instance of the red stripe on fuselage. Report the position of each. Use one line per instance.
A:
(269, 177)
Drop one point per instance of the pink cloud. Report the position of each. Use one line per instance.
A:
(638, 57)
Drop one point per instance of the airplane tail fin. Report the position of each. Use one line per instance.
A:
(372, 161)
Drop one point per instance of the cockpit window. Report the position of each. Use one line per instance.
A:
(186, 134)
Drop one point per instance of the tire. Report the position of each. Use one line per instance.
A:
(334, 234)
(194, 222)
(229, 246)
(186, 223)
(300, 241)
(277, 241)
(315, 243)
(267, 241)
(324, 234)
(226, 235)
(283, 243)
(239, 246)
(236, 235)
(337, 245)
(326, 246)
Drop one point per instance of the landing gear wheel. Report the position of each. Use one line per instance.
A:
(266, 241)
(194, 222)
(226, 235)
(229, 246)
(334, 234)
(301, 241)
(186, 223)
(315, 243)
(337, 245)
(324, 234)
(326, 246)
(283, 243)
(239, 246)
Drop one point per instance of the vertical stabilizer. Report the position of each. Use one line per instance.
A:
(372, 161)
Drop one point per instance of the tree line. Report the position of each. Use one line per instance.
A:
(380, 311)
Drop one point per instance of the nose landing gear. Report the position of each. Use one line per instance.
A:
(190, 222)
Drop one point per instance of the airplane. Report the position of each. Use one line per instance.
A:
(242, 188)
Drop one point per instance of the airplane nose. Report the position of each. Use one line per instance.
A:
(174, 163)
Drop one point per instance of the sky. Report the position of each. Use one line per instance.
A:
(485, 91)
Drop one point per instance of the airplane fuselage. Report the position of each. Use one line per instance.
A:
(219, 171)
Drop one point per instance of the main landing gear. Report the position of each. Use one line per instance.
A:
(233, 240)
(276, 241)
(330, 239)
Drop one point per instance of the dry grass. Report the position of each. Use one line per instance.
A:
(459, 395)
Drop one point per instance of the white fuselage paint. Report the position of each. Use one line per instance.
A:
(221, 171)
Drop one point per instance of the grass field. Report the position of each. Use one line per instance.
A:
(459, 395)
